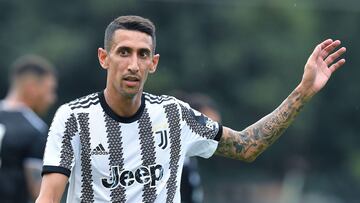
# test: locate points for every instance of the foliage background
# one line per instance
(247, 55)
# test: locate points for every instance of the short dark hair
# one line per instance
(31, 65)
(130, 22)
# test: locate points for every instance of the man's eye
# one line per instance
(144, 54)
(123, 52)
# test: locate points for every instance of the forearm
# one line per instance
(52, 188)
(249, 143)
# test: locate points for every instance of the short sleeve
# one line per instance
(59, 150)
(37, 146)
(201, 133)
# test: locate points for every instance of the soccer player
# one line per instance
(22, 133)
(125, 145)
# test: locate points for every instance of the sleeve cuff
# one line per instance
(219, 134)
(55, 169)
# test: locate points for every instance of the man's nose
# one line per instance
(134, 65)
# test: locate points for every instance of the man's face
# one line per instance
(43, 93)
(128, 62)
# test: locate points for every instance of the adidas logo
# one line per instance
(99, 150)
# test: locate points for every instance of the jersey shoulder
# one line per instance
(84, 102)
(162, 100)
(22, 117)
(157, 99)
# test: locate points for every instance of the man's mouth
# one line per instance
(131, 80)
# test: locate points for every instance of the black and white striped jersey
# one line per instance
(134, 159)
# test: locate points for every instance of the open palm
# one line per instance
(320, 65)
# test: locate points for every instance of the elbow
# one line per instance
(249, 159)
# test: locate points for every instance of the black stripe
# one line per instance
(82, 102)
(173, 116)
(116, 155)
(197, 127)
(84, 99)
(55, 169)
(156, 102)
(148, 156)
(85, 106)
(150, 96)
(155, 97)
(152, 99)
(219, 134)
(87, 192)
(67, 152)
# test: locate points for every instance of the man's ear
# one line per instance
(102, 56)
(155, 61)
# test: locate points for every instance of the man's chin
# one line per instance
(132, 93)
(128, 92)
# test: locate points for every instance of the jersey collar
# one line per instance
(117, 117)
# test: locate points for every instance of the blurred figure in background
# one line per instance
(22, 132)
(191, 188)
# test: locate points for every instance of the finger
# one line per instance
(328, 49)
(325, 43)
(315, 53)
(337, 65)
(319, 47)
(332, 57)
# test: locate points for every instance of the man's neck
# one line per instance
(14, 101)
(122, 105)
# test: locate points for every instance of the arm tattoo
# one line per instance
(249, 143)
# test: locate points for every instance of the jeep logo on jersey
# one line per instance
(142, 175)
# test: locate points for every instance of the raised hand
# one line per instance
(321, 64)
(250, 142)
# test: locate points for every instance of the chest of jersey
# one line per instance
(127, 155)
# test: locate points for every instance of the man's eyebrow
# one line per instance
(129, 49)
(123, 48)
(145, 50)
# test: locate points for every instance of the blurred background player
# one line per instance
(191, 188)
(22, 132)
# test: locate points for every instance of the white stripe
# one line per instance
(34, 120)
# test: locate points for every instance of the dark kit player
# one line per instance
(145, 138)
(22, 133)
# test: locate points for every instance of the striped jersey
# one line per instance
(109, 158)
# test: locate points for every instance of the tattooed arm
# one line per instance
(248, 144)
